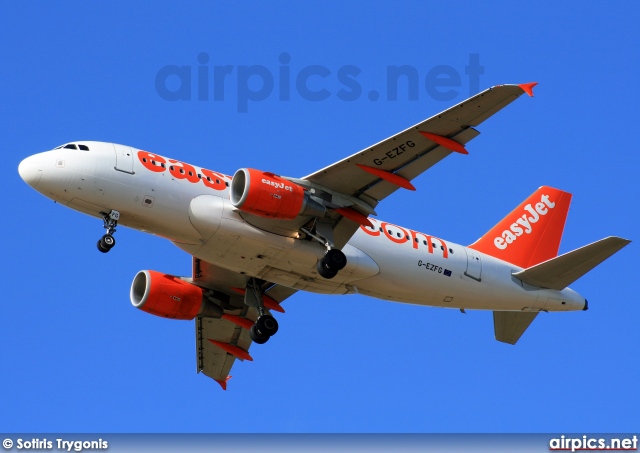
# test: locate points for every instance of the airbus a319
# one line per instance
(258, 237)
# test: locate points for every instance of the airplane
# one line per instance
(257, 237)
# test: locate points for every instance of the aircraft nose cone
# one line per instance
(30, 170)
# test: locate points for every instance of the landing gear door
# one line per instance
(474, 264)
(124, 158)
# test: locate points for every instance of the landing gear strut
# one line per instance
(110, 220)
(266, 325)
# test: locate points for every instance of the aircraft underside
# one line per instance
(257, 237)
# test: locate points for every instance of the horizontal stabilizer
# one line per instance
(510, 325)
(559, 272)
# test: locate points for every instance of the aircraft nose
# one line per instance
(30, 170)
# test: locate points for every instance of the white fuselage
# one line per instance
(194, 212)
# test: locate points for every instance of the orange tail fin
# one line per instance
(531, 233)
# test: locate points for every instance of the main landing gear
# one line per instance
(334, 260)
(110, 220)
(266, 325)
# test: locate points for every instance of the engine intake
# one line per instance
(267, 195)
(168, 296)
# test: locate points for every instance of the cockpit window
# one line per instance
(73, 146)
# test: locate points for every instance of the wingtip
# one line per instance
(223, 383)
(528, 87)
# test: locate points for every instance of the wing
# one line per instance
(367, 177)
(220, 341)
(416, 149)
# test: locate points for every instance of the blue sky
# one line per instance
(77, 357)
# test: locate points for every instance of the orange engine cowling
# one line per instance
(170, 297)
(267, 195)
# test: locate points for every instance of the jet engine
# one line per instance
(268, 195)
(168, 296)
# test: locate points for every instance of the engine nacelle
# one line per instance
(170, 297)
(267, 195)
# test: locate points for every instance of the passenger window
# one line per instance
(83, 147)
(71, 146)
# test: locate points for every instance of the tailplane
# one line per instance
(529, 237)
(532, 232)
(510, 325)
(559, 272)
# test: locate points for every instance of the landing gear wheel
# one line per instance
(108, 241)
(335, 260)
(266, 325)
(110, 220)
(256, 336)
(101, 248)
(324, 271)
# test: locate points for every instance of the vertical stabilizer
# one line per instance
(531, 233)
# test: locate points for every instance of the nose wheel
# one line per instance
(106, 243)
(110, 219)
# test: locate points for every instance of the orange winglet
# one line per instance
(231, 349)
(528, 87)
(451, 145)
(388, 176)
(238, 321)
(354, 215)
(222, 383)
(268, 302)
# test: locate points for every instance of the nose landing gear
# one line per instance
(110, 220)
(106, 243)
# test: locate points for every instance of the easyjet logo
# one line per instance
(524, 224)
(183, 171)
(277, 185)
